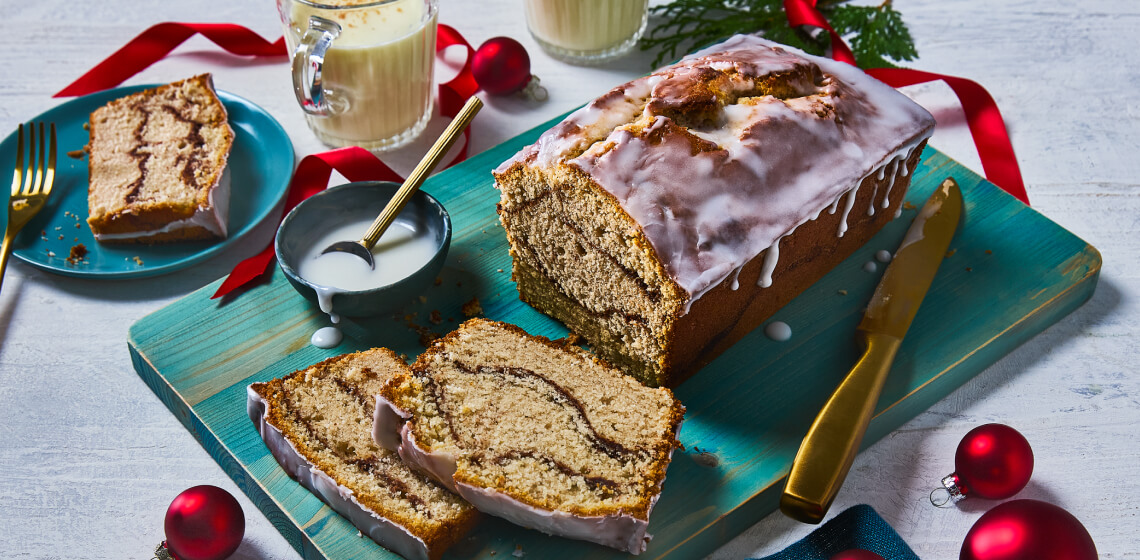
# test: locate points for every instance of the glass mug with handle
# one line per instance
(363, 70)
(586, 31)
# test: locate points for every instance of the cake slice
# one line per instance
(156, 165)
(317, 423)
(542, 434)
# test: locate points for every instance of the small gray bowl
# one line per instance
(362, 201)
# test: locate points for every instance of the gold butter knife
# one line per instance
(829, 447)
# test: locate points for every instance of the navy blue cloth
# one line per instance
(857, 527)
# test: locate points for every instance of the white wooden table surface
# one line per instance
(91, 458)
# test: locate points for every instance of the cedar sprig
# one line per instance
(877, 34)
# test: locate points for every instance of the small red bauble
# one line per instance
(856, 554)
(204, 523)
(501, 66)
(1028, 530)
(993, 461)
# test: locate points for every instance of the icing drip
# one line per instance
(895, 163)
(847, 210)
(736, 278)
(770, 257)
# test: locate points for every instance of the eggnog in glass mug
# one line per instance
(363, 69)
(586, 31)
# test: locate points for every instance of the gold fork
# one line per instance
(36, 182)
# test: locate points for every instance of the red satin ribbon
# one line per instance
(982, 115)
(152, 45)
(804, 12)
(984, 119)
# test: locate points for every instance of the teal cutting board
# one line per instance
(1011, 273)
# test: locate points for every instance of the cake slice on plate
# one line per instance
(539, 433)
(157, 165)
(317, 423)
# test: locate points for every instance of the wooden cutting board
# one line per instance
(1010, 274)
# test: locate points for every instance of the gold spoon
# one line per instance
(363, 247)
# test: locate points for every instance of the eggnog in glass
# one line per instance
(363, 70)
(586, 31)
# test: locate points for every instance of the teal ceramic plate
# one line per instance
(261, 164)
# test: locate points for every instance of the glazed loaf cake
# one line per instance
(542, 434)
(674, 214)
(157, 165)
(317, 423)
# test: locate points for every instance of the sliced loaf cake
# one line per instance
(157, 162)
(542, 434)
(317, 423)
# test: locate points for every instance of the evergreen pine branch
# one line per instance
(877, 34)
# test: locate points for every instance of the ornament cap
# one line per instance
(163, 553)
(534, 89)
(951, 492)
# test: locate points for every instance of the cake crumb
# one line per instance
(571, 339)
(78, 254)
(989, 252)
(50, 253)
(951, 252)
(500, 271)
(438, 280)
(908, 205)
(706, 459)
(435, 318)
(968, 269)
(472, 308)
(427, 336)
(842, 292)
(423, 299)
(77, 154)
(137, 260)
(518, 553)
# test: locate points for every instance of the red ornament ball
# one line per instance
(993, 461)
(856, 554)
(1028, 530)
(501, 66)
(204, 523)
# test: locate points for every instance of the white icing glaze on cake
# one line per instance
(711, 195)
(339, 498)
(391, 430)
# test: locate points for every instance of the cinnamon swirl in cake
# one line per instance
(157, 165)
(542, 434)
(317, 423)
(671, 216)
